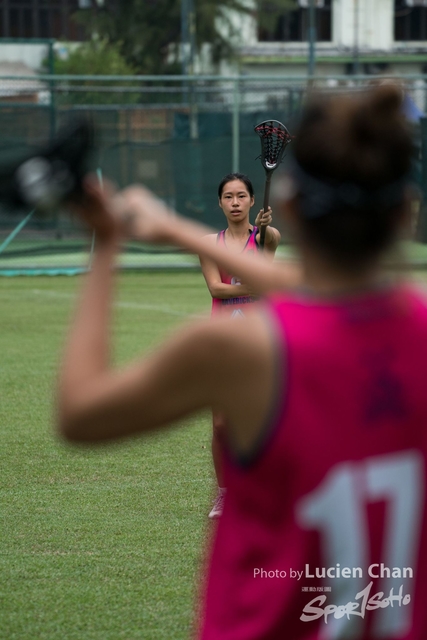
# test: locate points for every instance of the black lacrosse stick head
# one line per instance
(50, 175)
(274, 139)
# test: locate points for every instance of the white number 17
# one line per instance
(338, 510)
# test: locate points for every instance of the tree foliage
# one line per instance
(95, 57)
(149, 31)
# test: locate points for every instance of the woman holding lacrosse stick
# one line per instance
(323, 391)
(229, 295)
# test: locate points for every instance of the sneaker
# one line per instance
(218, 505)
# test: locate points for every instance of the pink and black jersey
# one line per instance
(234, 305)
(324, 533)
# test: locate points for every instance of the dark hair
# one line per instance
(235, 176)
(362, 142)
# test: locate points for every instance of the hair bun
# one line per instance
(361, 138)
(378, 128)
(387, 99)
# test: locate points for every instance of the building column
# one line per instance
(364, 23)
(343, 23)
(378, 24)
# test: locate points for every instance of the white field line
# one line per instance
(122, 305)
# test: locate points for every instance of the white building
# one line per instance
(369, 36)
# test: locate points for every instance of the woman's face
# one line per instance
(236, 201)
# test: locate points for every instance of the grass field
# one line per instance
(96, 544)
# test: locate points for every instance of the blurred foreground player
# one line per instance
(323, 533)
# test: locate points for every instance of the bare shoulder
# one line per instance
(244, 368)
(209, 267)
(233, 345)
(228, 364)
(241, 348)
(210, 240)
(211, 237)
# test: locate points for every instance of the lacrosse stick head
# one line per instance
(274, 138)
(50, 175)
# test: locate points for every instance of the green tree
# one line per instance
(149, 31)
(96, 57)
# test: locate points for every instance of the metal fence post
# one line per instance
(51, 59)
(236, 127)
(312, 36)
(194, 111)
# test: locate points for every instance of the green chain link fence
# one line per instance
(177, 135)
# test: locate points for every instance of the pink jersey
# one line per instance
(234, 305)
(324, 532)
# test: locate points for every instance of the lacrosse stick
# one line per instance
(274, 139)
